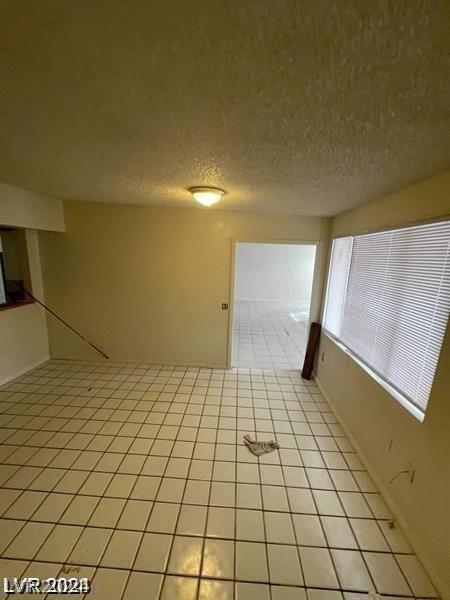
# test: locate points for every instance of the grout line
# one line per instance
(210, 393)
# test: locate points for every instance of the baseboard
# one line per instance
(427, 564)
(147, 362)
(4, 380)
(189, 365)
(274, 301)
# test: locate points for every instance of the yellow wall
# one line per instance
(23, 329)
(374, 418)
(21, 208)
(24, 342)
(147, 283)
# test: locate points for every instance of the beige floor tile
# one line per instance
(417, 578)
(218, 559)
(43, 571)
(179, 588)
(135, 515)
(394, 536)
(171, 490)
(9, 530)
(221, 522)
(308, 530)
(338, 532)
(121, 549)
(59, 543)
(177, 467)
(47, 480)
(80, 510)
(369, 535)
(154, 465)
(222, 494)
(327, 503)
(216, 590)
(28, 541)
(90, 546)
(108, 584)
(11, 569)
(281, 592)
(386, 574)
(378, 506)
(355, 505)
(145, 488)
(252, 591)
(52, 508)
(192, 520)
(96, 484)
(351, 570)
(185, 556)
(275, 498)
(143, 585)
(7, 498)
(317, 567)
(71, 482)
(196, 492)
(332, 595)
(301, 501)
(250, 525)
(251, 561)
(284, 565)
(25, 505)
(153, 553)
(23, 478)
(107, 512)
(248, 496)
(163, 518)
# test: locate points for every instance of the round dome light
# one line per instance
(207, 196)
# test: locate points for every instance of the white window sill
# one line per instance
(413, 410)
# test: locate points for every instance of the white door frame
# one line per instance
(316, 291)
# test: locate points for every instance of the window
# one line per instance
(14, 268)
(388, 300)
(2, 281)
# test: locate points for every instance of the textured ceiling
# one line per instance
(305, 107)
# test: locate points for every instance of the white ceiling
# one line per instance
(302, 107)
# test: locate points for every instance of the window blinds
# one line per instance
(388, 300)
(337, 284)
(2, 286)
(2, 289)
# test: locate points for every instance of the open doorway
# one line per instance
(271, 306)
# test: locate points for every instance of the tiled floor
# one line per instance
(269, 335)
(136, 477)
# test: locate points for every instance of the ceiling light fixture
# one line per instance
(207, 196)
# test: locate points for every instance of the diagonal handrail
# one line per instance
(52, 312)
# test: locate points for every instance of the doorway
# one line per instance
(273, 283)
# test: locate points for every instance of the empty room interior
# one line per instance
(224, 299)
(271, 304)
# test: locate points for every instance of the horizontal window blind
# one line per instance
(337, 283)
(2, 290)
(388, 301)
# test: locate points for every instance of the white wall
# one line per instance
(282, 272)
(23, 329)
